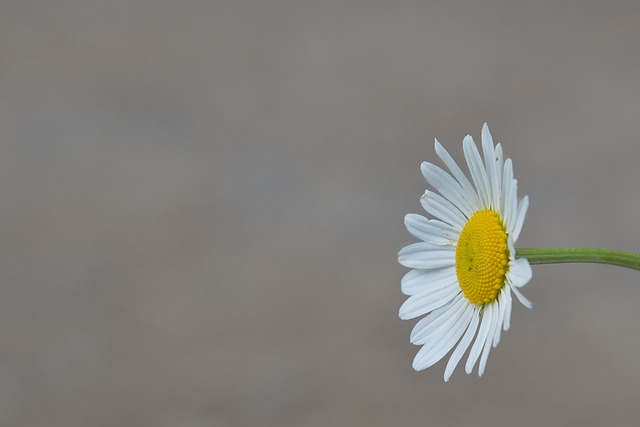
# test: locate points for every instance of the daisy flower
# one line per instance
(464, 270)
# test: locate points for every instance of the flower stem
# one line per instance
(590, 255)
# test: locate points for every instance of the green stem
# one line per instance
(591, 255)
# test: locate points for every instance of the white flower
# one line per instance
(465, 268)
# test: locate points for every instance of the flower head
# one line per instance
(465, 268)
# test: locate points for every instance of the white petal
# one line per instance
(499, 158)
(419, 280)
(507, 308)
(509, 196)
(462, 346)
(490, 161)
(485, 324)
(424, 302)
(447, 230)
(522, 211)
(425, 330)
(426, 256)
(440, 348)
(524, 301)
(502, 309)
(437, 317)
(443, 209)
(457, 173)
(477, 169)
(448, 187)
(420, 228)
(494, 312)
(519, 272)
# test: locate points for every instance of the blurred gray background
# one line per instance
(202, 202)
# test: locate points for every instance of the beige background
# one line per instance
(202, 202)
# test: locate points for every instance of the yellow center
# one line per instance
(482, 256)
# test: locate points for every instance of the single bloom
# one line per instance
(464, 270)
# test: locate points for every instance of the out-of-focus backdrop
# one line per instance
(201, 204)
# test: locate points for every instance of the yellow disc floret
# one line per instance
(482, 256)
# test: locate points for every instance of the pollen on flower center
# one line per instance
(482, 256)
